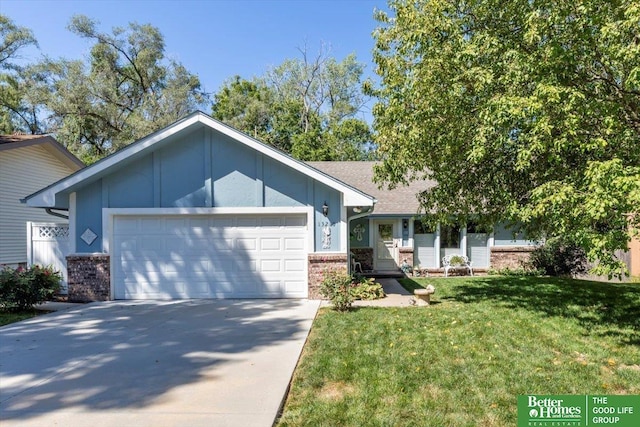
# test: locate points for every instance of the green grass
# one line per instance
(464, 360)
(7, 316)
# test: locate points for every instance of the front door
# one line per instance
(385, 257)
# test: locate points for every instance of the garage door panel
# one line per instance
(270, 244)
(248, 222)
(297, 265)
(247, 244)
(219, 256)
(270, 265)
(294, 244)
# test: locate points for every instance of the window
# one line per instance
(450, 236)
(420, 227)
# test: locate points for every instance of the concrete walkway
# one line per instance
(152, 363)
(397, 296)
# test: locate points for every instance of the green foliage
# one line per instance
(559, 257)
(125, 89)
(18, 113)
(21, 289)
(306, 107)
(500, 337)
(336, 286)
(367, 289)
(515, 272)
(457, 260)
(521, 111)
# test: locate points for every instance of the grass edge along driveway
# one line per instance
(464, 360)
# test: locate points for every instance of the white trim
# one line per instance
(29, 243)
(46, 197)
(73, 212)
(463, 240)
(108, 215)
(436, 245)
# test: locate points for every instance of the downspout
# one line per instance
(59, 215)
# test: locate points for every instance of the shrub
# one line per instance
(456, 260)
(367, 289)
(336, 286)
(526, 271)
(558, 257)
(21, 289)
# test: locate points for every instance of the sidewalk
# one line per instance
(397, 296)
(57, 306)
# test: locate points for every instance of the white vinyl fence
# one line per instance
(48, 244)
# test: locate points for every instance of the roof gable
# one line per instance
(47, 196)
(57, 150)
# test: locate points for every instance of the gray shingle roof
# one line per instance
(401, 200)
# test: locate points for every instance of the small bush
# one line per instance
(456, 260)
(558, 257)
(336, 286)
(21, 289)
(367, 289)
(516, 272)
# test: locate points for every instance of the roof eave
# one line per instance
(46, 197)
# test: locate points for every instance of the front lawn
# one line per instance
(464, 360)
(7, 317)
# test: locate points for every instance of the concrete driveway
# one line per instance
(153, 363)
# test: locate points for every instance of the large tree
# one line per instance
(307, 107)
(123, 91)
(526, 111)
(19, 104)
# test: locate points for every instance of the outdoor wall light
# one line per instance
(325, 209)
(405, 223)
(357, 209)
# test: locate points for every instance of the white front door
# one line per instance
(386, 248)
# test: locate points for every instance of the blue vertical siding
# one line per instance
(89, 209)
(362, 227)
(234, 173)
(282, 185)
(204, 168)
(324, 194)
(182, 179)
(131, 186)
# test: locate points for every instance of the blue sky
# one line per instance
(215, 39)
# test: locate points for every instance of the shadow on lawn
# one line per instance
(593, 304)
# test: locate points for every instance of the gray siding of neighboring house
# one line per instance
(204, 168)
(24, 170)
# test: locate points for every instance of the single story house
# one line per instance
(393, 232)
(201, 210)
(27, 163)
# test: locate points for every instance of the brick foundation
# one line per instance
(510, 256)
(364, 256)
(88, 277)
(406, 253)
(318, 264)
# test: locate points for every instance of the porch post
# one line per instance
(463, 240)
(436, 244)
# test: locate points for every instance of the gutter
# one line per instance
(59, 215)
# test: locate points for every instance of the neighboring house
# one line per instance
(27, 163)
(200, 210)
(394, 233)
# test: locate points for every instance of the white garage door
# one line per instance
(220, 256)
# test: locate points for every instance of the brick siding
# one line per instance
(88, 277)
(510, 256)
(364, 256)
(318, 264)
